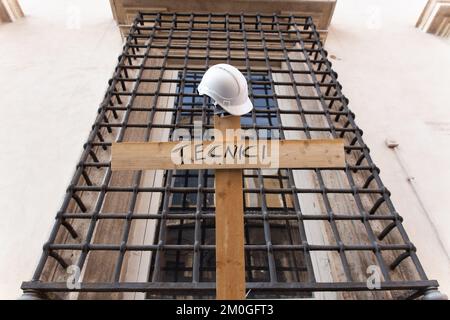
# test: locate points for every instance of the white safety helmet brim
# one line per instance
(240, 110)
(235, 110)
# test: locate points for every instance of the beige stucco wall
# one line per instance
(54, 67)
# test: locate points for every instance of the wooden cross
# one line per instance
(228, 156)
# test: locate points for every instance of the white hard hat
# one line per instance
(227, 86)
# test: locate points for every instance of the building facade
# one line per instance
(309, 233)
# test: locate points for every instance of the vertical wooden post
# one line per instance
(230, 265)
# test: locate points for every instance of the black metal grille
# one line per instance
(300, 224)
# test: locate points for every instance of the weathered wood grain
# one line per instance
(184, 155)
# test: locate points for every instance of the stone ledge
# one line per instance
(124, 11)
(10, 11)
(435, 18)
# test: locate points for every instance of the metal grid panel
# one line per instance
(285, 65)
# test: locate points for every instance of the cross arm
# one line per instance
(249, 154)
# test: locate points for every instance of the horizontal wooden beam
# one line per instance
(318, 153)
(10, 11)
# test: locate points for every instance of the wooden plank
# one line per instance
(317, 153)
(320, 10)
(315, 230)
(142, 231)
(230, 265)
(99, 266)
(327, 265)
